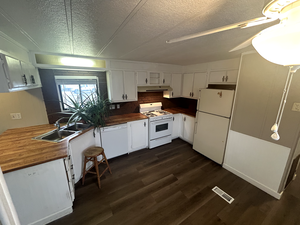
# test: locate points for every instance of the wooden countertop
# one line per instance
(18, 150)
(181, 110)
(119, 119)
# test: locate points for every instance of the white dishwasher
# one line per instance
(114, 140)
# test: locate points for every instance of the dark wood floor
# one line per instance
(172, 184)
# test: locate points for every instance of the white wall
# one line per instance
(29, 103)
(216, 65)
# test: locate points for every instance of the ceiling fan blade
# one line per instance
(244, 24)
(245, 44)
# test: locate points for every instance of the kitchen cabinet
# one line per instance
(166, 79)
(137, 135)
(16, 75)
(177, 126)
(188, 128)
(155, 78)
(176, 85)
(122, 86)
(223, 77)
(192, 83)
(142, 78)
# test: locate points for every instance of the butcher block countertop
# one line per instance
(181, 110)
(18, 150)
(119, 119)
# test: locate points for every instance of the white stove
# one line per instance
(160, 124)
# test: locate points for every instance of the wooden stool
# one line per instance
(91, 154)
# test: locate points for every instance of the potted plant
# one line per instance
(93, 110)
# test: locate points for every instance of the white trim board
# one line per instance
(259, 162)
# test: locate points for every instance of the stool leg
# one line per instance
(84, 170)
(104, 156)
(97, 170)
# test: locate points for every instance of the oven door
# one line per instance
(160, 128)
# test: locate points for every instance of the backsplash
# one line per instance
(149, 97)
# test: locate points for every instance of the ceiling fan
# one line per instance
(279, 44)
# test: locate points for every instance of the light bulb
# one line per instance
(274, 128)
(275, 136)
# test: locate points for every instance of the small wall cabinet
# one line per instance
(16, 75)
(192, 83)
(223, 77)
(122, 86)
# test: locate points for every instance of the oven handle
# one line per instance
(162, 121)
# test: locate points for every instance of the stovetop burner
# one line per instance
(155, 113)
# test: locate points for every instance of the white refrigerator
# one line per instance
(212, 122)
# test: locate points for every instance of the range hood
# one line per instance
(154, 88)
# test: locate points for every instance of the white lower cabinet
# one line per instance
(177, 126)
(40, 193)
(137, 135)
(188, 128)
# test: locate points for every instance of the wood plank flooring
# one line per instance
(172, 184)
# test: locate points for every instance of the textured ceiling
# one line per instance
(130, 30)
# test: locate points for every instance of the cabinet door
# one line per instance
(176, 84)
(199, 83)
(15, 72)
(34, 78)
(137, 135)
(188, 128)
(167, 78)
(142, 78)
(187, 87)
(116, 86)
(231, 76)
(177, 126)
(217, 77)
(130, 88)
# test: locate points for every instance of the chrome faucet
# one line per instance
(57, 122)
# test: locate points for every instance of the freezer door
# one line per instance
(216, 101)
(210, 136)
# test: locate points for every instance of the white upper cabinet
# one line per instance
(223, 77)
(122, 86)
(137, 135)
(192, 83)
(16, 75)
(142, 78)
(167, 79)
(176, 85)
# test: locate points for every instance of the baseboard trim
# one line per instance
(53, 217)
(254, 182)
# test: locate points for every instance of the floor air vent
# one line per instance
(223, 195)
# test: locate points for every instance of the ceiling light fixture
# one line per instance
(70, 61)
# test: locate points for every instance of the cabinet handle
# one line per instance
(144, 124)
(226, 78)
(192, 94)
(126, 96)
(163, 80)
(223, 79)
(146, 80)
(24, 79)
(123, 96)
(173, 118)
(172, 93)
(32, 80)
(184, 118)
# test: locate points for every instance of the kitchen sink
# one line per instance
(77, 127)
(56, 135)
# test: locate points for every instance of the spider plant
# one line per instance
(93, 110)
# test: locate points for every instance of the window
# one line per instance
(76, 88)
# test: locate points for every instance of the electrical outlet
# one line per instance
(118, 106)
(112, 106)
(15, 116)
(296, 107)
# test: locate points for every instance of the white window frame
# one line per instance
(59, 80)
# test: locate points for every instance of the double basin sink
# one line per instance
(63, 133)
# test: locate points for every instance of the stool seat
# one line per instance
(91, 154)
(93, 151)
